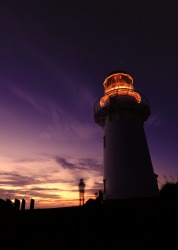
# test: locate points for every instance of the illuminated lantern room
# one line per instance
(120, 93)
(119, 84)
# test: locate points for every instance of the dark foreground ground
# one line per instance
(130, 224)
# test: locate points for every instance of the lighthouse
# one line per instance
(121, 112)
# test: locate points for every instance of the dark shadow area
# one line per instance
(95, 202)
(169, 190)
(147, 223)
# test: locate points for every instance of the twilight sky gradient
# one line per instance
(54, 57)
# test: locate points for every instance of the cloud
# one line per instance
(80, 164)
(24, 95)
(91, 164)
(14, 179)
(43, 189)
(64, 163)
(29, 193)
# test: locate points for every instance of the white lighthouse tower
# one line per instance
(121, 112)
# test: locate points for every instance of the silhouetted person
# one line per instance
(99, 199)
(95, 202)
(81, 187)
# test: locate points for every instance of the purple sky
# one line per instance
(54, 57)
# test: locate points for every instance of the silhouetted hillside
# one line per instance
(128, 224)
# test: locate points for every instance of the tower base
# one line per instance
(132, 203)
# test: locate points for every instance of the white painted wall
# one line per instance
(128, 168)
